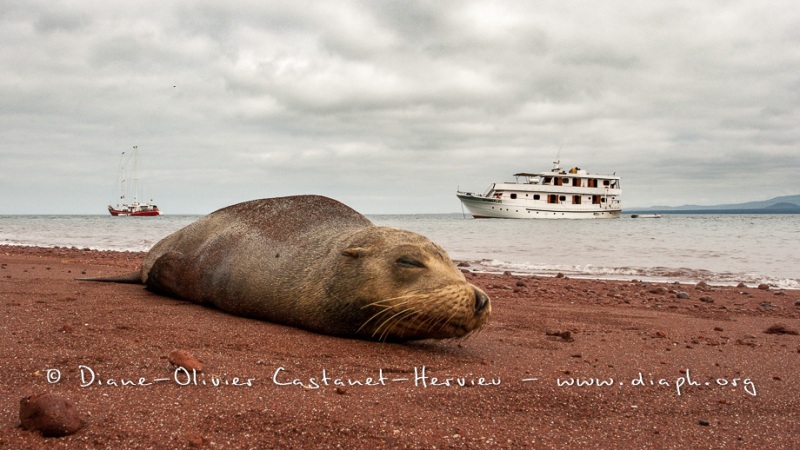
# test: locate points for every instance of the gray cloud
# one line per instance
(389, 106)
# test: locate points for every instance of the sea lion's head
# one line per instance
(405, 287)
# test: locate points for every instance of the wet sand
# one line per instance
(677, 366)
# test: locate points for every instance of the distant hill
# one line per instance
(788, 204)
(783, 205)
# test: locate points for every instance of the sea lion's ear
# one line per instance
(354, 252)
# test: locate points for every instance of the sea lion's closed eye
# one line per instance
(408, 262)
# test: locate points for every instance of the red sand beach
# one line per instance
(563, 363)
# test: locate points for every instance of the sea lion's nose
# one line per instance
(481, 301)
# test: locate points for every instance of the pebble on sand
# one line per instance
(50, 415)
(182, 358)
(779, 328)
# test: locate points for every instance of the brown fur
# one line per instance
(314, 263)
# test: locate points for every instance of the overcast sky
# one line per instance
(390, 106)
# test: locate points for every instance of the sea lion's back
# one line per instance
(291, 216)
(255, 227)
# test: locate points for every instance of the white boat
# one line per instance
(557, 194)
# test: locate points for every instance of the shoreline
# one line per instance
(684, 362)
(470, 267)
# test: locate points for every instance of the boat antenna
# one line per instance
(557, 162)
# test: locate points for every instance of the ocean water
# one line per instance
(719, 249)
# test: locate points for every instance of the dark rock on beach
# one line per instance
(781, 329)
(50, 415)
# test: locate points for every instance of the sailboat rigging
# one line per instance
(135, 208)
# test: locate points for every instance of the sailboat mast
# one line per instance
(121, 179)
(134, 208)
(135, 174)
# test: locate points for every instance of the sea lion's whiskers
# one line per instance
(407, 318)
(432, 316)
(389, 310)
(428, 318)
(395, 319)
(430, 312)
(389, 306)
(383, 324)
(449, 319)
(386, 300)
(443, 322)
(472, 334)
(429, 321)
(386, 309)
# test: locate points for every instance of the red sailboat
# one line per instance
(135, 208)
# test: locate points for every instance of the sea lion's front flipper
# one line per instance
(164, 275)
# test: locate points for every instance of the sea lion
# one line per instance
(314, 263)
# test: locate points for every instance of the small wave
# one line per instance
(662, 274)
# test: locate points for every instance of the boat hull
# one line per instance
(124, 212)
(490, 208)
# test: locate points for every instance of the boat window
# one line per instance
(552, 198)
(576, 199)
(606, 182)
(592, 182)
(547, 180)
(513, 196)
(536, 196)
(576, 181)
(563, 198)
